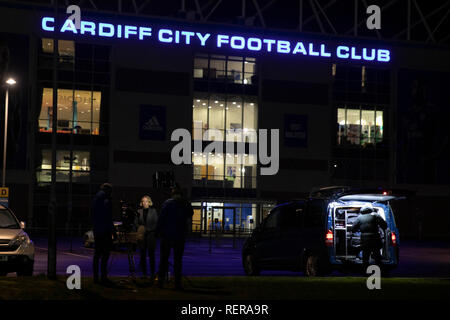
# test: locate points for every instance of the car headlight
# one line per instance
(19, 240)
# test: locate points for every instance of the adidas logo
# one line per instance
(152, 124)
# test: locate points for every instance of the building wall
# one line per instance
(132, 161)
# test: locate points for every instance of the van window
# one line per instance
(314, 216)
(291, 216)
(271, 221)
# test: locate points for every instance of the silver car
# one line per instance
(16, 247)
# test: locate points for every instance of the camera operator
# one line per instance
(104, 231)
(176, 214)
(146, 222)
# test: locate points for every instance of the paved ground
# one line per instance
(417, 259)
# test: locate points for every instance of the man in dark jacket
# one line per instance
(146, 219)
(371, 243)
(173, 226)
(104, 231)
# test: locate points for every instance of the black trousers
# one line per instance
(147, 247)
(103, 245)
(178, 249)
(371, 246)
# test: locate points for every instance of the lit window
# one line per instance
(234, 116)
(77, 109)
(359, 127)
(66, 48)
(231, 69)
(80, 166)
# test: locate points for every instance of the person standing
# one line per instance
(146, 221)
(172, 227)
(104, 232)
(371, 243)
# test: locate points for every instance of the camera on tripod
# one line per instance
(128, 215)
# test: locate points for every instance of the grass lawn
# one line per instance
(229, 288)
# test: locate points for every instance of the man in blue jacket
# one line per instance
(104, 231)
(172, 227)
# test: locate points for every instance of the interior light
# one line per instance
(216, 101)
(238, 106)
(234, 102)
(198, 100)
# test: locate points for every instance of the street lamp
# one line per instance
(10, 82)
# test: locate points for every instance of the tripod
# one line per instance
(125, 235)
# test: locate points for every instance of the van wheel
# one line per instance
(250, 267)
(312, 266)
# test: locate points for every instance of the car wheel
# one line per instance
(312, 266)
(250, 267)
(26, 270)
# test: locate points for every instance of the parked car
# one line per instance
(311, 236)
(16, 247)
(123, 238)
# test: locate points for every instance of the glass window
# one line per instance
(216, 116)
(200, 67)
(353, 125)
(234, 119)
(232, 69)
(80, 166)
(272, 219)
(291, 216)
(314, 215)
(359, 127)
(367, 127)
(200, 170)
(77, 109)
(200, 117)
(217, 69)
(65, 47)
(233, 171)
(250, 115)
(379, 126)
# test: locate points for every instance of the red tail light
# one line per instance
(393, 238)
(329, 238)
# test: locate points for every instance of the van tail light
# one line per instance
(329, 238)
(393, 239)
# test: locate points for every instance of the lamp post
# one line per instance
(9, 82)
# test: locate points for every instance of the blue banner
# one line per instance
(295, 130)
(152, 122)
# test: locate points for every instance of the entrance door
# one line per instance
(221, 220)
(197, 225)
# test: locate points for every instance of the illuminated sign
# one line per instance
(218, 40)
